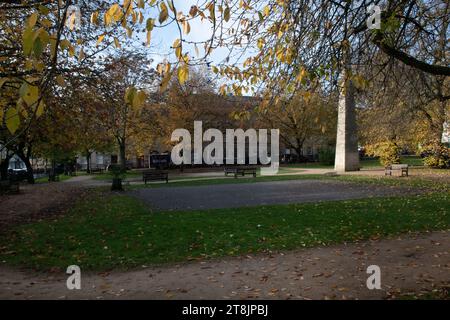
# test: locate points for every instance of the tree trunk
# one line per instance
(30, 175)
(27, 161)
(4, 168)
(123, 160)
(88, 161)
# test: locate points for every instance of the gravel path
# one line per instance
(261, 193)
(417, 263)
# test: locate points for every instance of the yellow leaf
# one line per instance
(29, 93)
(100, 39)
(31, 22)
(260, 43)
(212, 9)
(129, 95)
(226, 14)
(159, 68)
(170, 3)
(150, 24)
(186, 27)
(139, 99)
(307, 96)
(113, 13)
(165, 81)
(176, 43)
(72, 20)
(116, 42)
(164, 14)
(280, 54)
(40, 108)
(183, 74)
(149, 37)
(12, 120)
(129, 32)
(60, 81)
(167, 67)
(28, 40)
(94, 18)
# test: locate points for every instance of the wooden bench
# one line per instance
(9, 186)
(151, 175)
(402, 168)
(96, 170)
(242, 171)
(53, 177)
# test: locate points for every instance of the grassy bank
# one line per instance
(117, 231)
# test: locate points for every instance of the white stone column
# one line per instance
(347, 157)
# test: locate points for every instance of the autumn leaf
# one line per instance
(100, 39)
(186, 27)
(60, 81)
(29, 93)
(183, 74)
(163, 14)
(31, 22)
(12, 120)
(165, 81)
(193, 11)
(226, 14)
(40, 108)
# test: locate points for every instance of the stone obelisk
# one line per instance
(347, 157)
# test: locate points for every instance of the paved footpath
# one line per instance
(261, 193)
(415, 263)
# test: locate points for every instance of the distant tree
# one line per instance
(304, 116)
(123, 90)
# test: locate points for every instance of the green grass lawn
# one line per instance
(109, 230)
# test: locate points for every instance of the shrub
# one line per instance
(326, 156)
(387, 151)
(437, 156)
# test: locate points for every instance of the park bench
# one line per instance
(9, 186)
(53, 177)
(150, 175)
(241, 171)
(96, 170)
(401, 168)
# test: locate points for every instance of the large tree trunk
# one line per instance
(4, 167)
(26, 159)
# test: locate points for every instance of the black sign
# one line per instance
(160, 161)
